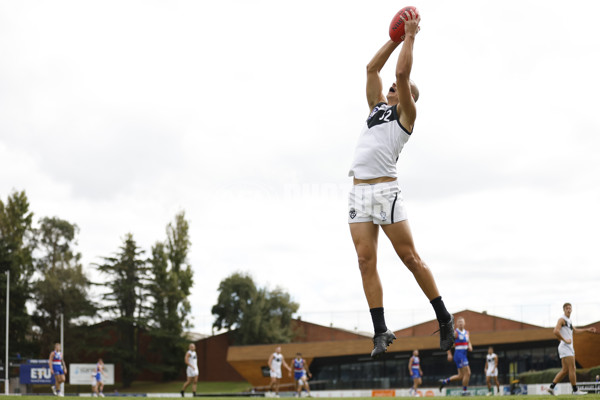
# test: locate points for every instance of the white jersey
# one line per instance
(192, 359)
(491, 365)
(566, 331)
(379, 144)
(276, 361)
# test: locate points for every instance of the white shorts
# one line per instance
(276, 374)
(565, 350)
(191, 372)
(380, 203)
(491, 372)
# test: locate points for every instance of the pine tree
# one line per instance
(169, 290)
(127, 283)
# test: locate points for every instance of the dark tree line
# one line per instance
(140, 292)
(254, 315)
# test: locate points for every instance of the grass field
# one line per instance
(530, 397)
(154, 387)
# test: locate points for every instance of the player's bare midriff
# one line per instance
(374, 180)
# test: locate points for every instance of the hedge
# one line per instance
(546, 376)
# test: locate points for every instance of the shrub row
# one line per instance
(546, 376)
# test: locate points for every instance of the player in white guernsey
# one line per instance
(375, 199)
(276, 360)
(191, 361)
(491, 370)
(564, 332)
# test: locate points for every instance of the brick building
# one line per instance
(340, 359)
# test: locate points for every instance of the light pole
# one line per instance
(7, 302)
(62, 325)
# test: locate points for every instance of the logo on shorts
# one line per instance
(383, 215)
(352, 213)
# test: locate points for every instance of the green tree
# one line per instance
(169, 290)
(255, 315)
(63, 287)
(16, 248)
(127, 288)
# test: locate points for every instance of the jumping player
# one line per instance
(276, 360)
(414, 369)
(491, 370)
(58, 368)
(375, 199)
(98, 386)
(191, 361)
(564, 332)
(461, 346)
(300, 375)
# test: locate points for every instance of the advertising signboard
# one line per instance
(83, 374)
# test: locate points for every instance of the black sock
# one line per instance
(552, 385)
(441, 313)
(574, 388)
(378, 320)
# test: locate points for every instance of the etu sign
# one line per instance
(35, 374)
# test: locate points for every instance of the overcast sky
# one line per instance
(116, 115)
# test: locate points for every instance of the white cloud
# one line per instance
(245, 115)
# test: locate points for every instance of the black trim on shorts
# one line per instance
(394, 205)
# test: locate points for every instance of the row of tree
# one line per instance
(254, 315)
(139, 291)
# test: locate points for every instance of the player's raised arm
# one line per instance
(407, 109)
(581, 330)
(374, 83)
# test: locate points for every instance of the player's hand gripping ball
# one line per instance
(397, 25)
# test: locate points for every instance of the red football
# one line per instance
(397, 25)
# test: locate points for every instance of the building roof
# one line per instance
(475, 322)
(309, 332)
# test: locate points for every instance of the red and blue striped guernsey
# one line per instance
(462, 340)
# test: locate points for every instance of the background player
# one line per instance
(276, 360)
(462, 344)
(375, 197)
(491, 370)
(301, 375)
(191, 360)
(414, 369)
(58, 368)
(98, 386)
(564, 332)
